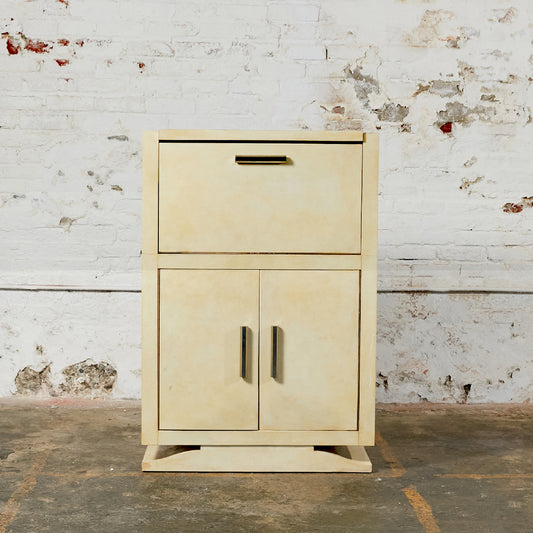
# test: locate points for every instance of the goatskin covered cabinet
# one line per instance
(259, 300)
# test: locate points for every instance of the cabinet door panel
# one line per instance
(317, 315)
(200, 359)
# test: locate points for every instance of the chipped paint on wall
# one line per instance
(463, 348)
(56, 343)
(447, 84)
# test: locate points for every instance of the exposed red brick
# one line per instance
(64, 2)
(80, 42)
(39, 47)
(527, 201)
(62, 62)
(12, 47)
(446, 128)
(512, 208)
(63, 42)
(141, 65)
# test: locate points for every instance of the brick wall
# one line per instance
(446, 83)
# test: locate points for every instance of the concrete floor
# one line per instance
(75, 466)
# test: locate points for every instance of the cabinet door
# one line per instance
(201, 314)
(317, 315)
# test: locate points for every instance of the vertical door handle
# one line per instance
(275, 345)
(244, 330)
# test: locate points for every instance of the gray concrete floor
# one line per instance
(75, 466)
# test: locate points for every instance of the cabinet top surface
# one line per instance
(251, 135)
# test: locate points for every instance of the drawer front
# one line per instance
(208, 202)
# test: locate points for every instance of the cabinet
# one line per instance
(259, 288)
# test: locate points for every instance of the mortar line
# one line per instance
(451, 291)
(65, 289)
(22, 491)
(381, 291)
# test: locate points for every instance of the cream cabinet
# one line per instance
(259, 300)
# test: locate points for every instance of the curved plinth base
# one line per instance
(256, 459)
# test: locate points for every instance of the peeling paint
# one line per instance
(392, 112)
(12, 47)
(383, 381)
(443, 88)
(428, 31)
(448, 355)
(88, 378)
(29, 381)
(458, 113)
(67, 222)
(509, 15)
(39, 47)
(416, 309)
(466, 71)
(362, 83)
(276, 74)
(467, 183)
(526, 202)
(466, 388)
(511, 372)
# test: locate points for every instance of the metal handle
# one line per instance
(275, 342)
(261, 159)
(244, 330)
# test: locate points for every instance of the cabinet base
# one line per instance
(256, 459)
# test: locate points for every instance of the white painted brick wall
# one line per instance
(71, 118)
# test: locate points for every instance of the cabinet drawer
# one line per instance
(208, 202)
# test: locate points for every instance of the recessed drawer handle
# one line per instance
(261, 159)
(244, 330)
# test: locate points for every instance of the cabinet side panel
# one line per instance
(367, 361)
(150, 167)
(149, 331)
(149, 342)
